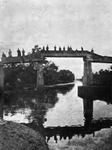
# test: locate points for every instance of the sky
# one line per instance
(86, 23)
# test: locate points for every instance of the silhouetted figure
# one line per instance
(64, 48)
(59, 48)
(10, 53)
(47, 47)
(36, 48)
(43, 48)
(68, 48)
(92, 51)
(23, 52)
(33, 50)
(82, 49)
(55, 48)
(3, 55)
(19, 52)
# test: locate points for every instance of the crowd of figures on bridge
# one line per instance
(44, 49)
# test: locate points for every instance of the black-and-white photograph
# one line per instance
(55, 75)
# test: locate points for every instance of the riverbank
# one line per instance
(16, 136)
(39, 91)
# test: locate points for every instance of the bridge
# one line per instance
(39, 56)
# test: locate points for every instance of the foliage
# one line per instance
(25, 75)
(65, 76)
(17, 76)
(103, 77)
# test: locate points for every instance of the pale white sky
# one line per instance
(25, 23)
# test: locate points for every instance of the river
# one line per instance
(59, 114)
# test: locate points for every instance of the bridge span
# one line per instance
(39, 56)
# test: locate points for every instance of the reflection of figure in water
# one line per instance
(10, 53)
(70, 136)
(61, 137)
(55, 138)
(19, 52)
(48, 138)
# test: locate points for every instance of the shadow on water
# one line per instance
(23, 99)
(36, 102)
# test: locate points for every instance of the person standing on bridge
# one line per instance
(33, 50)
(92, 51)
(64, 48)
(3, 55)
(59, 48)
(23, 52)
(10, 53)
(43, 49)
(82, 49)
(47, 47)
(19, 52)
(55, 48)
(68, 48)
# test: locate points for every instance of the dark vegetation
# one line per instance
(103, 77)
(25, 75)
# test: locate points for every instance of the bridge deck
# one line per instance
(41, 55)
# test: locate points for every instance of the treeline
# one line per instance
(25, 75)
(103, 77)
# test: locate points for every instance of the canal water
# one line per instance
(59, 115)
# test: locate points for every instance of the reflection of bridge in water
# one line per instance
(68, 132)
(39, 56)
(59, 132)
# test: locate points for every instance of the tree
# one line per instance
(103, 77)
(65, 76)
(25, 75)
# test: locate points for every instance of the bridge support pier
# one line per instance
(87, 81)
(88, 77)
(40, 79)
(88, 109)
(1, 76)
